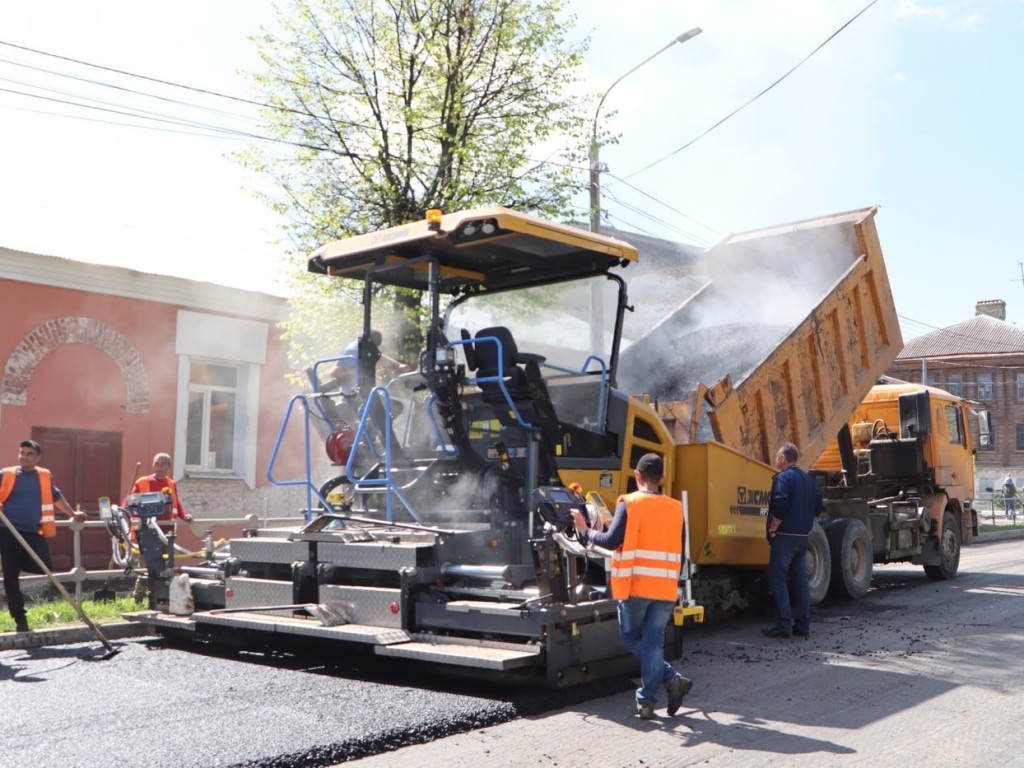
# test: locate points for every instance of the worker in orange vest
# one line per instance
(646, 535)
(28, 498)
(161, 480)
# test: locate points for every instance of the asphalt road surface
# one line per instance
(917, 672)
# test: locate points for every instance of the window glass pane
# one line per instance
(222, 430)
(955, 385)
(1020, 437)
(213, 375)
(984, 386)
(1020, 386)
(194, 435)
(953, 424)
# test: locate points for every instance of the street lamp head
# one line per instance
(689, 35)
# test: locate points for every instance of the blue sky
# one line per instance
(916, 107)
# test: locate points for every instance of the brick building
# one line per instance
(107, 366)
(981, 359)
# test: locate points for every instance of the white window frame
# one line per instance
(227, 341)
(207, 464)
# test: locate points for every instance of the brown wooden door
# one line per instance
(86, 464)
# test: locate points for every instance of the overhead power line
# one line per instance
(739, 109)
(145, 77)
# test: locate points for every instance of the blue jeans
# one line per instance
(789, 562)
(642, 623)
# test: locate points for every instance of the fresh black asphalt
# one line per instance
(155, 704)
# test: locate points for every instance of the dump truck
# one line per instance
(437, 528)
(899, 483)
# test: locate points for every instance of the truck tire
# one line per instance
(849, 544)
(949, 550)
(819, 564)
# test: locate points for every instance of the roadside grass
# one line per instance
(49, 614)
(985, 525)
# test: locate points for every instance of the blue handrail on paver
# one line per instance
(391, 489)
(311, 490)
(499, 379)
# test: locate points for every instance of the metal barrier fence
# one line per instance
(991, 507)
(78, 575)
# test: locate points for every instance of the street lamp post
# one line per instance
(595, 147)
(596, 297)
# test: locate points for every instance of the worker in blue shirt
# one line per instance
(794, 503)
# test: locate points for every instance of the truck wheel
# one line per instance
(819, 564)
(849, 544)
(949, 551)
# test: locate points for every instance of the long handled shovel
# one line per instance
(111, 650)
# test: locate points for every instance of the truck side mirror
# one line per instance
(984, 428)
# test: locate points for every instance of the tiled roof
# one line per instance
(981, 335)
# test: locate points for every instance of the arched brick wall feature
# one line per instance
(45, 338)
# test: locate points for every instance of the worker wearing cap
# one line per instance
(161, 480)
(27, 499)
(646, 535)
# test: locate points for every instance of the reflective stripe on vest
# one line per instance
(47, 522)
(650, 558)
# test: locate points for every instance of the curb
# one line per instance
(10, 641)
(1016, 533)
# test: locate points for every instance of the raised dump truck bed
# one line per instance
(794, 328)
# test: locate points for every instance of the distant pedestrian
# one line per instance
(1009, 497)
(646, 535)
(27, 499)
(794, 502)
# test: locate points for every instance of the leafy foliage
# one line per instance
(391, 107)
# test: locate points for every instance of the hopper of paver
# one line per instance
(793, 329)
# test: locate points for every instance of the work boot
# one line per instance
(644, 710)
(677, 688)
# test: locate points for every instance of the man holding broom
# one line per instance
(27, 499)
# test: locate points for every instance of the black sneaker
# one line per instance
(22, 626)
(776, 632)
(677, 688)
(804, 633)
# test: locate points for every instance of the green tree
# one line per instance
(391, 107)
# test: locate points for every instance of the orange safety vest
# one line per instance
(143, 484)
(47, 522)
(651, 556)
